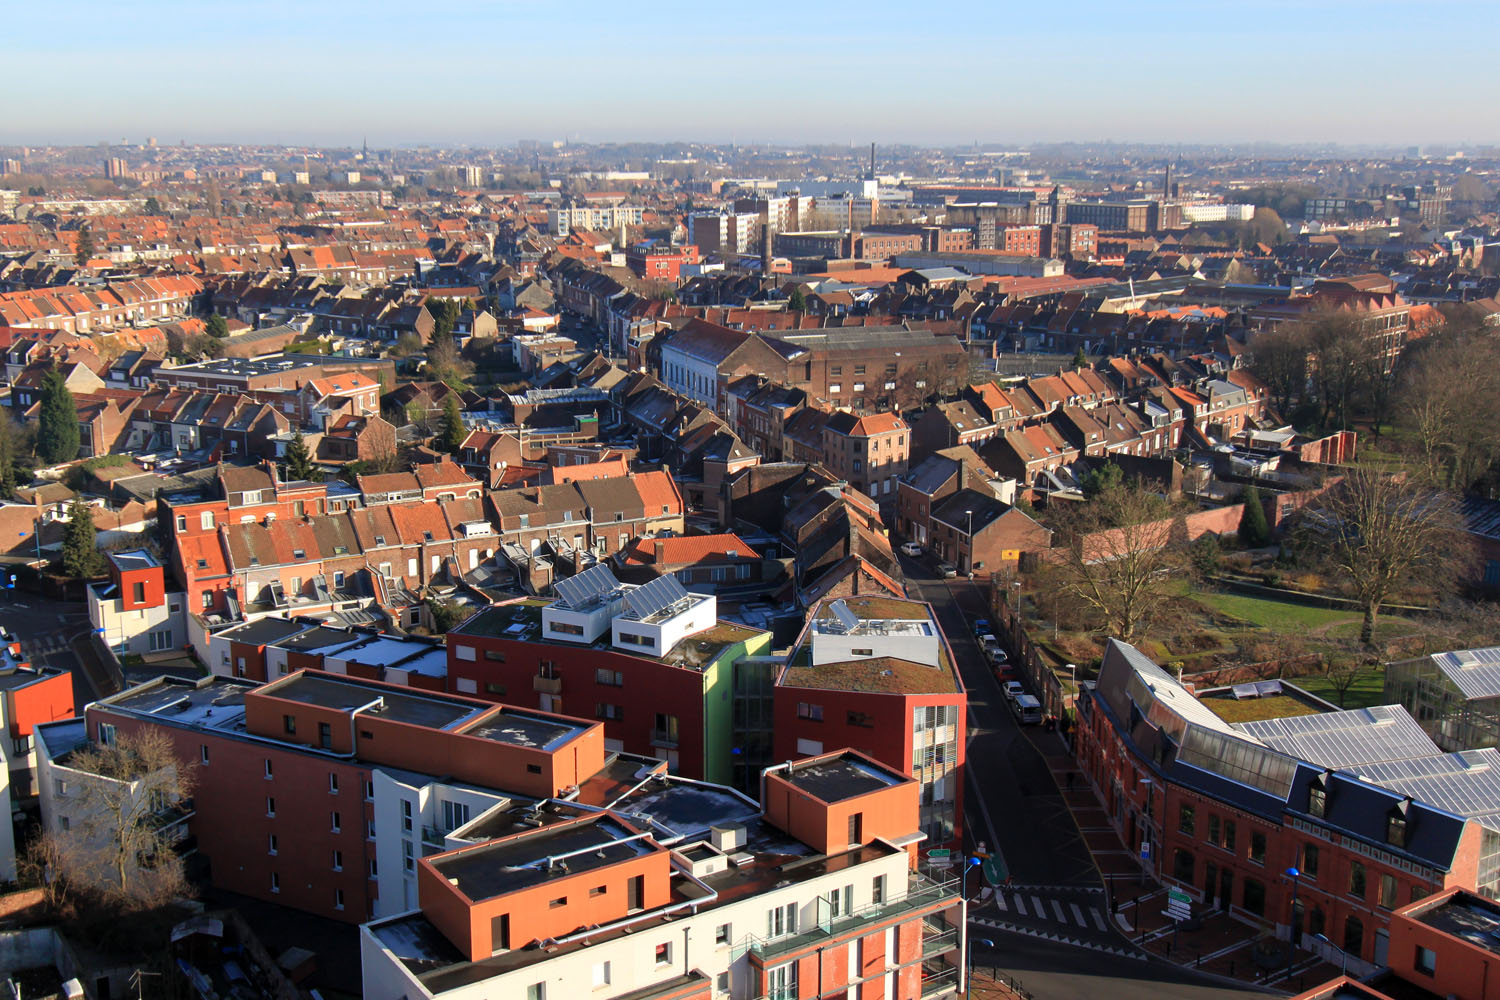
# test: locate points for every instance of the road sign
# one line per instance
(994, 871)
(1179, 905)
(1146, 849)
(939, 852)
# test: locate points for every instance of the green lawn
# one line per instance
(1366, 690)
(1278, 616)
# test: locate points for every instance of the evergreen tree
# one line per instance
(797, 302)
(451, 437)
(1080, 360)
(7, 457)
(80, 555)
(57, 425)
(1254, 531)
(216, 327)
(84, 252)
(445, 313)
(153, 207)
(299, 464)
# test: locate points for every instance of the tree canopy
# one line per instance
(80, 550)
(57, 435)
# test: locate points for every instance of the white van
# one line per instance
(1028, 709)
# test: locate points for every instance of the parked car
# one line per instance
(997, 655)
(1012, 690)
(1028, 709)
(911, 549)
(947, 571)
(1004, 672)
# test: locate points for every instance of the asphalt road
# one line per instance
(45, 629)
(1052, 928)
(1050, 971)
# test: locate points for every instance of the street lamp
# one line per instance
(1344, 970)
(969, 540)
(969, 865)
(969, 959)
(1292, 925)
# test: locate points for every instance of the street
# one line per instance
(46, 629)
(1052, 927)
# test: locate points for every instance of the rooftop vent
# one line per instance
(727, 837)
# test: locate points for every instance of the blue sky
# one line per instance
(463, 71)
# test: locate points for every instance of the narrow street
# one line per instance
(1052, 928)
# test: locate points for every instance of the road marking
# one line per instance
(1098, 918)
(1057, 908)
(1000, 903)
(1077, 914)
(1020, 905)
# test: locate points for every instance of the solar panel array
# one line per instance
(1345, 739)
(578, 591)
(658, 595)
(1465, 783)
(1475, 672)
(848, 620)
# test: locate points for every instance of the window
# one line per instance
(1310, 861)
(664, 953)
(1254, 895)
(275, 882)
(206, 520)
(338, 861)
(270, 806)
(813, 713)
(374, 869)
(203, 753)
(604, 710)
(558, 903)
(862, 652)
(1258, 848)
(601, 974)
(181, 522)
(665, 728)
(1354, 937)
(408, 856)
(612, 678)
(533, 769)
(537, 991)
(494, 656)
(1185, 820)
(271, 845)
(208, 598)
(1395, 828)
(138, 592)
(106, 734)
(338, 899)
(1183, 865)
(1317, 799)
(269, 773)
(598, 890)
(841, 901)
(333, 821)
(877, 889)
(289, 725)
(1357, 879)
(1229, 835)
(369, 791)
(1388, 891)
(455, 815)
(721, 935)
(862, 719)
(781, 921)
(406, 815)
(781, 982)
(1425, 961)
(333, 784)
(1215, 833)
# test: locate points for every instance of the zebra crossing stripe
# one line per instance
(1057, 908)
(1098, 918)
(1000, 903)
(1036, 901)
(1077, 915)
(1020, 905)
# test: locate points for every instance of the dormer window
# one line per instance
(1317, 799)
(1395, 824)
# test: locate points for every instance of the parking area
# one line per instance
(47, 630)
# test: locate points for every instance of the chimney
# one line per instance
(661, 553)
(872, 161)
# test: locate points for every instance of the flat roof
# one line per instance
(346, 695)
(506, 621)
(320, 637)
(134, 559)
(686, 808)
(214, 703)
(834, 779)
(523, 729)
(264, 631)
(1346, 739)
(505, 866)
(1467, 916)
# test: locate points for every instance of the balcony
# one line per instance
(921, 894)
(939, 978)
(546, 685)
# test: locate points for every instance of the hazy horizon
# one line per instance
(1372, 74)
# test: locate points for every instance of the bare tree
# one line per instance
(117, 842)
(1280, 358)
(1341, 352)
(1342, 672)
(1387, 533)
(1449, 397)
(1118, 557)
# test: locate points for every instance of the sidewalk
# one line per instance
(1218, 946)
(984, 986)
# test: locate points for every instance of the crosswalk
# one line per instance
(43, 646)
(1085, 910)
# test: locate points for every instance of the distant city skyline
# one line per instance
(1378, 73)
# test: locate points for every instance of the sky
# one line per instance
(467, 72)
